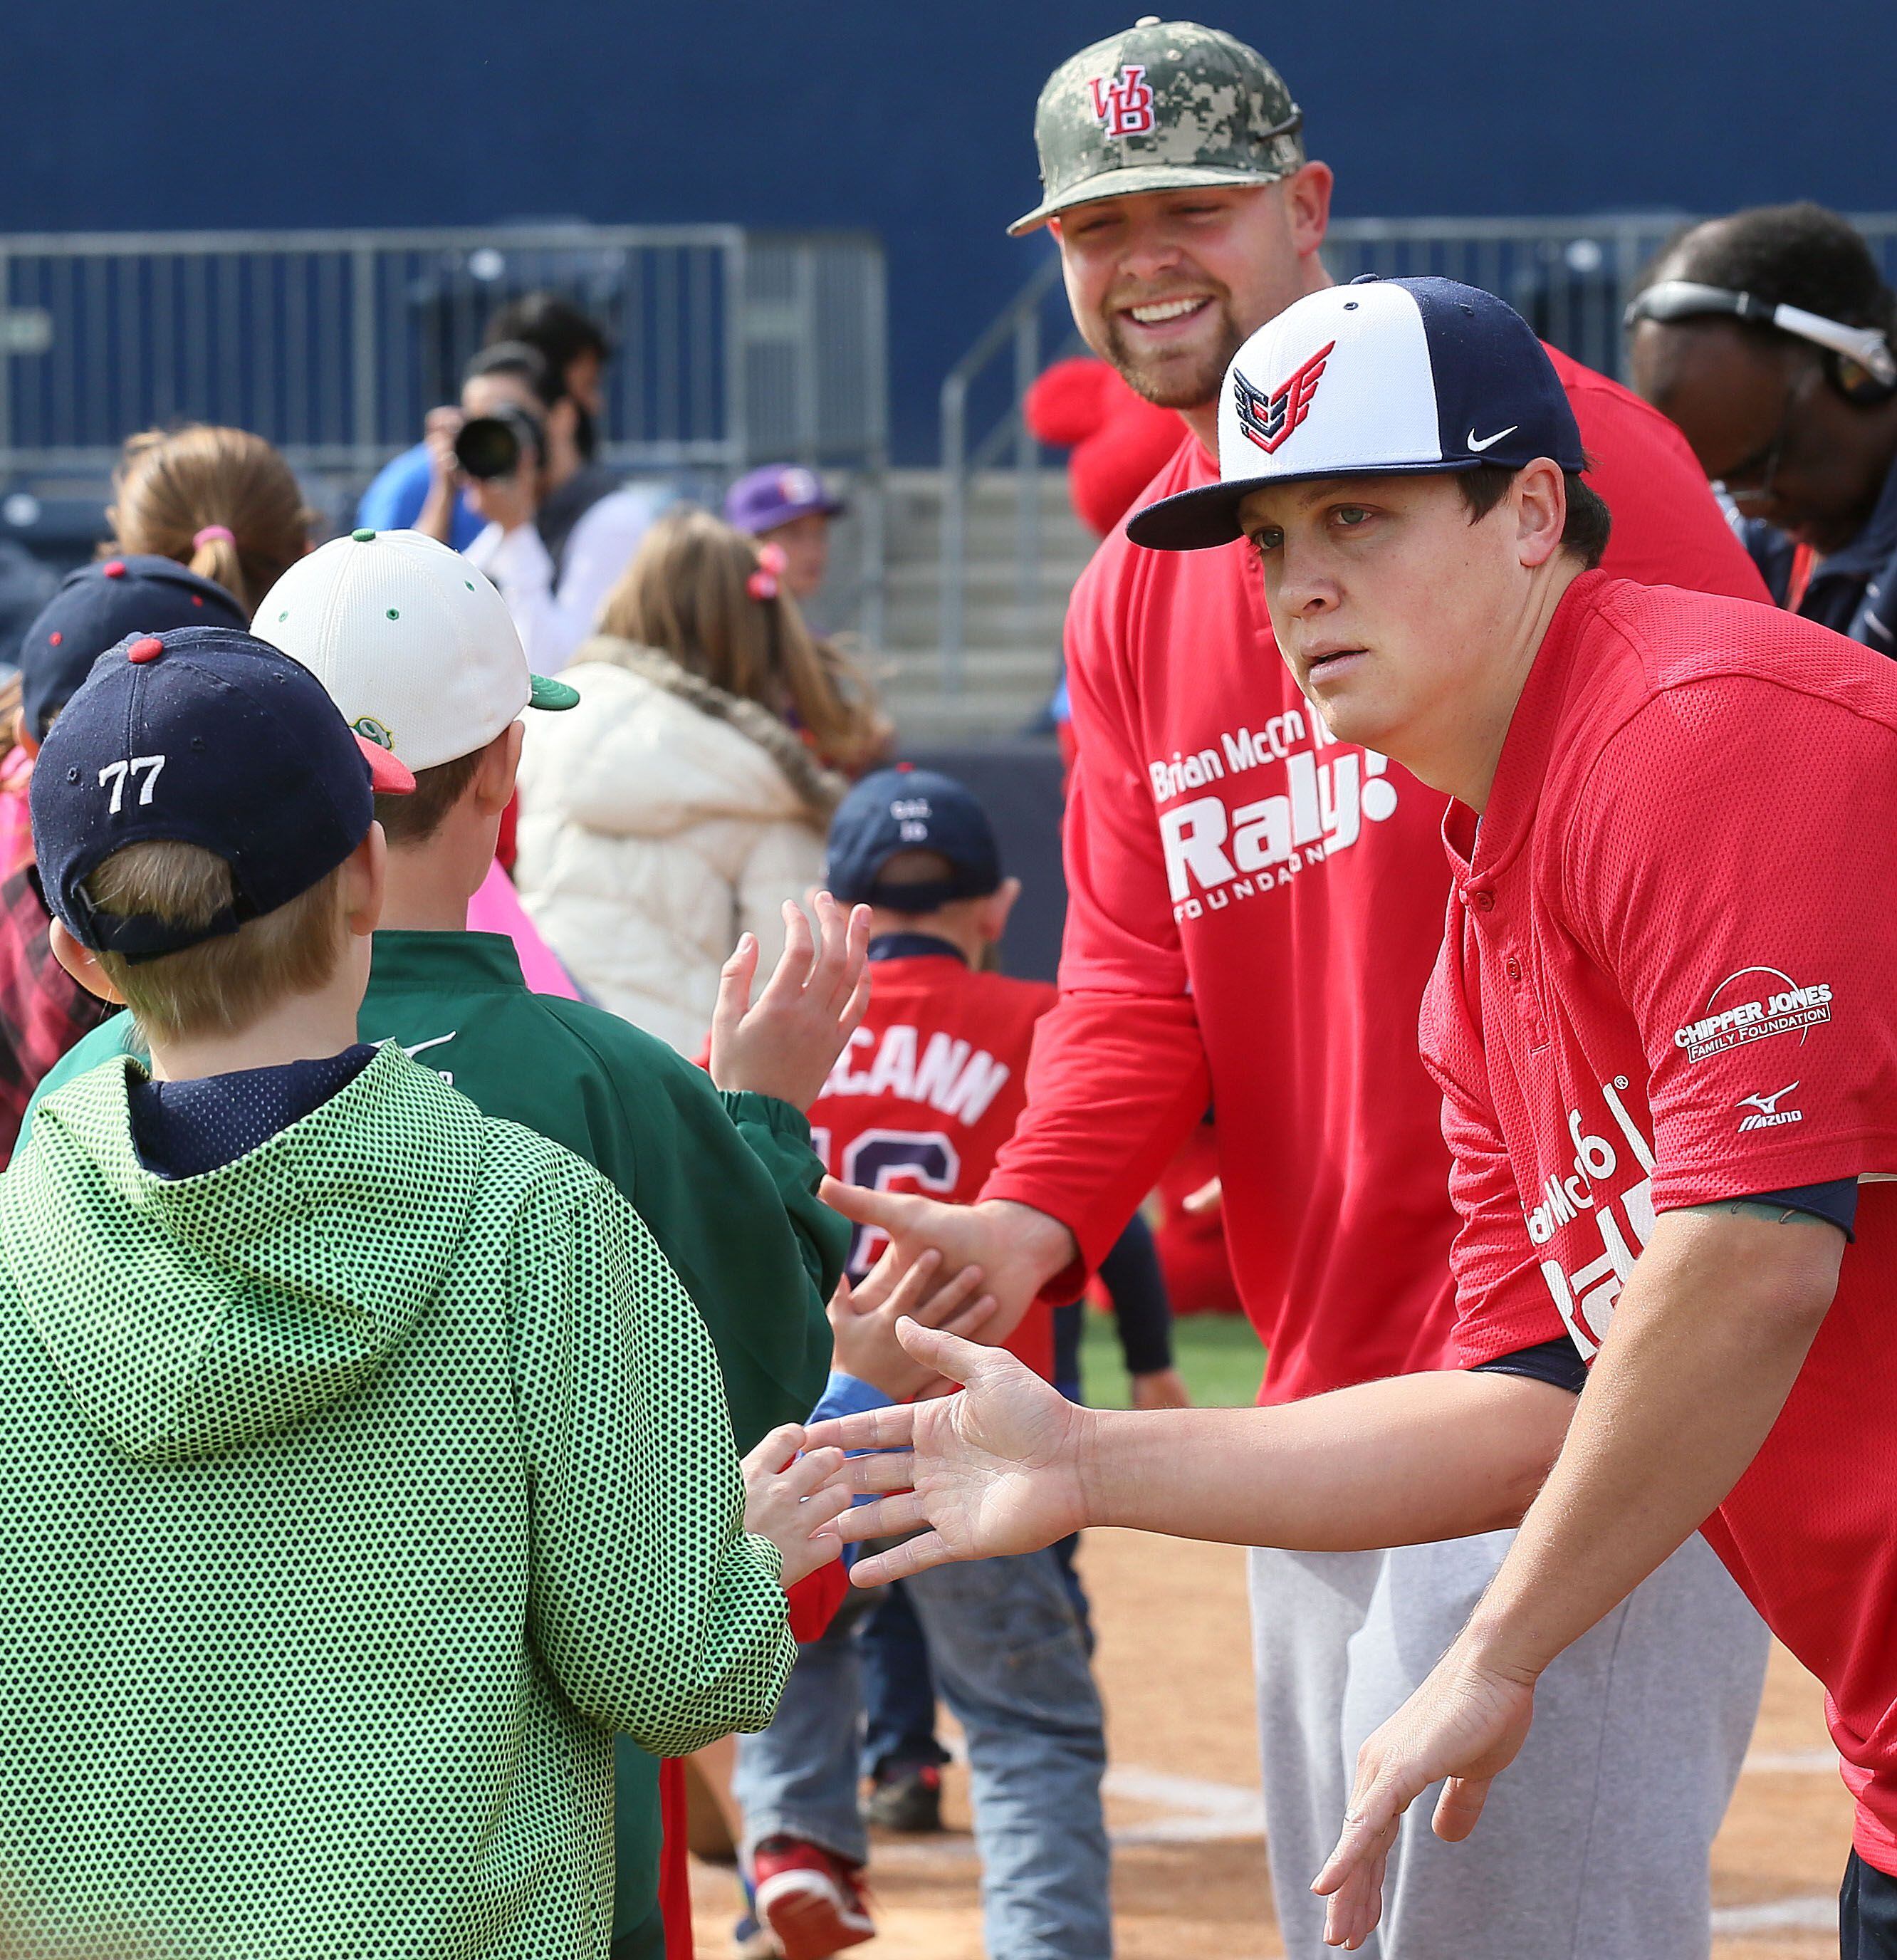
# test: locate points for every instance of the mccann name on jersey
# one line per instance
(953, 1077)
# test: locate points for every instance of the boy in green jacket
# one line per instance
(418, 651)
(365, 1466)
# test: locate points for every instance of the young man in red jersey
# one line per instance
(924, 1096)
(1276, 976)
(1664, 1031)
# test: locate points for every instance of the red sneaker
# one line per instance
(811, 1901)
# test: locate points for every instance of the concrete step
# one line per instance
(998, 563)
(1026, 637)
(916, 622)
(915, 514)
(995, 577)
(973, 717)
(999, 519)
(1024, 672)
(976, 710)
(922, 488)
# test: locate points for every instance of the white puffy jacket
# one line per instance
(659, 819)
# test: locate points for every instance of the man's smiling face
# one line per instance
(1167, 285)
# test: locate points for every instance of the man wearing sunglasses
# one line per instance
(1767, 336)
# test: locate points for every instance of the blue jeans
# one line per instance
(1010, 1662)
(898, 1686)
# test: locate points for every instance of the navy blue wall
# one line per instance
(912, 120)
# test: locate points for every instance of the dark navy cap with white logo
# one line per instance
(907, 809)
(200, 736)
(1381, 378)
(96, 607)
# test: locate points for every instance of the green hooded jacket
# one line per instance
(727, 1185)
(351, 1495)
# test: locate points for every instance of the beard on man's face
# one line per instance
(1176, 378)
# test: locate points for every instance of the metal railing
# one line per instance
(734, 346)
(1570, 278)
(1022, 328)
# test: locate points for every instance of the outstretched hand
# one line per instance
(1466, 1723)
(814, 1001)
(990, 1472)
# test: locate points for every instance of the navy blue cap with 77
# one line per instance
(1381, 378)
(907, 809)
(200, 736)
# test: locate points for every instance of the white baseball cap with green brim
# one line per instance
(414, 646)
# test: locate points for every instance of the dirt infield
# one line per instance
(1190, 1880)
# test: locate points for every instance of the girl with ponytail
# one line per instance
(687, 797)
(220, 500)
(224, 503)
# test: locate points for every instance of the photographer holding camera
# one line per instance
(573, 345)
(559, 528)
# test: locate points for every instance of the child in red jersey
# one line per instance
(922, 1098)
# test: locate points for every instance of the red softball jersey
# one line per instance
(1667, 979)
(1254, 909)
(930, 1088)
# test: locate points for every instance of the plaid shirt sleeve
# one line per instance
(43, 1011)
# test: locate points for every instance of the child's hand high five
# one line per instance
(811, 1006)
(863, 1321)
(790, 1500)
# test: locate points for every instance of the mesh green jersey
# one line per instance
(727, 1185)
(351, 1495)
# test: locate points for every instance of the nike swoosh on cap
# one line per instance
(1489, 441)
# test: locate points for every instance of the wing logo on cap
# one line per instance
(1268, 419)
(1124, 102)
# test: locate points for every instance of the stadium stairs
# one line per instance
(1012, 654)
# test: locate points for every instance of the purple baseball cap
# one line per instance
(762, 499)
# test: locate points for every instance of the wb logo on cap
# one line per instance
(1124, 104)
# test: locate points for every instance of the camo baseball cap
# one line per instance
(1166, 105)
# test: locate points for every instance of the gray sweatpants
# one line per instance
(1595, 1841)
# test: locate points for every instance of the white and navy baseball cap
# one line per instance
(1382, 377)
(414, 646)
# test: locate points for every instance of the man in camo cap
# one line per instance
(1170, 105)
(1165, 136)
(1254, 909)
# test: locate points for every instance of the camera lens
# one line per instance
(487, 446)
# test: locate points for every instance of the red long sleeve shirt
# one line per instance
(1254, 909)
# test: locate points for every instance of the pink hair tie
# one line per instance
(763, 583)
(213, 533)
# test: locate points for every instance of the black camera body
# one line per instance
(487, 446)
